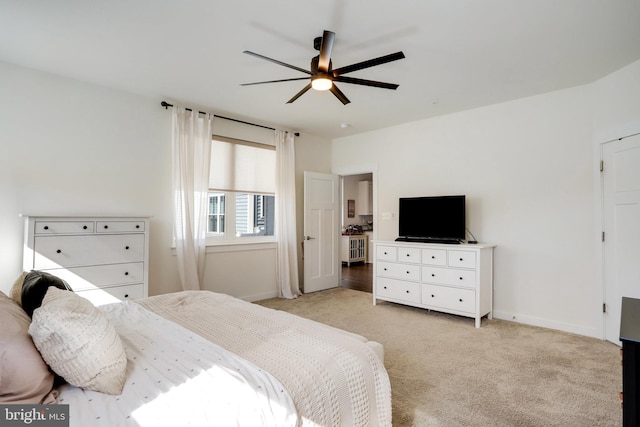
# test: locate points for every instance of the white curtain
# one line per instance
(191, 143)
(287, 254)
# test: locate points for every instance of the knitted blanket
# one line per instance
(334, 377)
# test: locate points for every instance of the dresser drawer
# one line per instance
(409, 255)
(434, 257)
(119, 226)
(63, 227)
(462, 259)
(398, 289)
(86, 278)
(70, 251)
(113, 294)
(449, 276)
(386, 253)
(449, 298)
(398, 270)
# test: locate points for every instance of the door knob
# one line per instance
(308, 238)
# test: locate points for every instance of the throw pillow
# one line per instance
(16, 289)
(24, 376)
(35, 287)
(77, 341)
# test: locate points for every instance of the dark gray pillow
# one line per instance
(35, 287)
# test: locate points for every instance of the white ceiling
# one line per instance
(460, 54)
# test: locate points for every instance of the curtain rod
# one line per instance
(166, 105)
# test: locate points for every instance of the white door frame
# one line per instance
(358, 170)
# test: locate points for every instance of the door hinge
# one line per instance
(604, 307)
(603, 236)
(601, 165)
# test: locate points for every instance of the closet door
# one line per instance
(621, 201)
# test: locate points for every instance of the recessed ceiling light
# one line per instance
(344, 125)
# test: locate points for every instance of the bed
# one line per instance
(203, 358)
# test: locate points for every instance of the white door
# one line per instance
(321, 231)
(621, 252)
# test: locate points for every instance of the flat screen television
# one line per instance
(438, 219)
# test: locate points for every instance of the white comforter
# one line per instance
(334, 377)
(177, 378)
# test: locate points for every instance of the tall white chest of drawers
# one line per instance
(104, 259)
(456, 279)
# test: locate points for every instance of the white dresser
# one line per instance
(456, 279)
(104, 259)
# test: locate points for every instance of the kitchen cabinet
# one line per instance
(365, 198)
(354, 248)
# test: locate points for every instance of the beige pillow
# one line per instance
(16, 289)
(24, 377)
(77, 341)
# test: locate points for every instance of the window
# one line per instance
(242, 192)
(216, 213)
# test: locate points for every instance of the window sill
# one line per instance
(235, 247)
(239, 246)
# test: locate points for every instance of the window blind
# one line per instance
(242, 166)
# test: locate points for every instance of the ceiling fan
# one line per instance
(323, 77)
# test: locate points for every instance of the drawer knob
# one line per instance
(433, 275)
(46, 227)
(385, 253)
(106, 226)
(126, 295)
(137, 225)
(59, 251)
(408, 272)
(433, 296)
(385, 269)
(460, 299)
(385, 287)
(407, 291)
(126, 247)
(433, 257)
(461, 278)
(126, 273)
(408, 255)
(84, 227)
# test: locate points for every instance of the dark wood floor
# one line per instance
(358, 276)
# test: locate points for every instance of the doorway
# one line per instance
(357, 231)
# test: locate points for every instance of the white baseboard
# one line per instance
(259, 297)
(549, 324)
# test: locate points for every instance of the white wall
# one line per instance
(527, 168)
(73, 148)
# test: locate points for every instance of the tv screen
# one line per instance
(432, 219)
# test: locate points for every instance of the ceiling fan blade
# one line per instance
(338, 93)
(325, 51)
(274, 81)
(299, 94)
(369, 63)
(275, 61)
(365, 82)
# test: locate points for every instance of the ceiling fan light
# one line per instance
(321, 83)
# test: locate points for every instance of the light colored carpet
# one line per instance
(445, 372)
